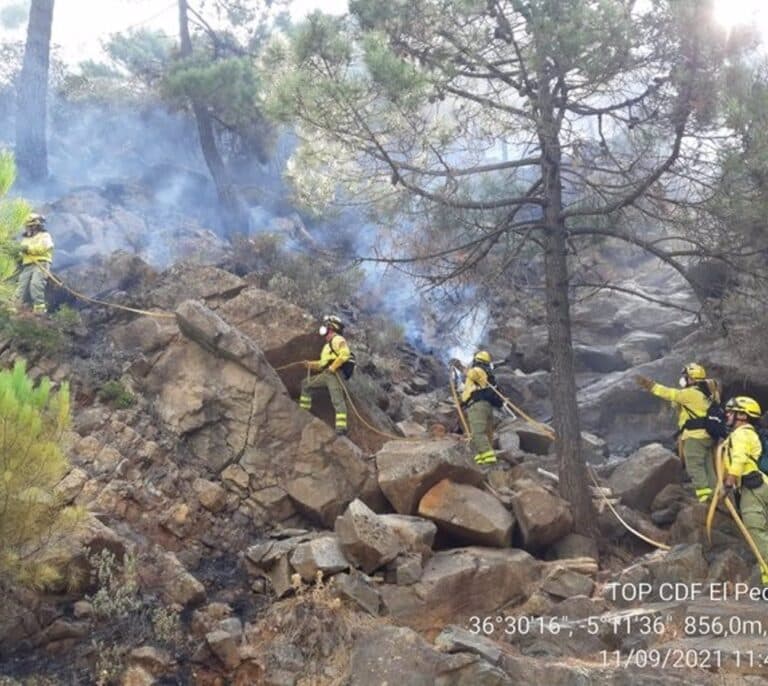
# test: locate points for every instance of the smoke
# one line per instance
(130, 178)
(470, 332)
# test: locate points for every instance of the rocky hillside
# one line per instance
(233, 538)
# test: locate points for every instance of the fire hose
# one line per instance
(721, 494)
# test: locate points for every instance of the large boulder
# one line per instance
(594, 358)
(470, 515)
(415, 534)
(214, 388)
(639, 478)
(457, 584)
(321, 554)
(398, 655)
(408, 469)
(364, 539)
(639, 347)
(534, 438)
(682, 564)
(268, 320)
(194, 282)
(542, 517)
(177, 585)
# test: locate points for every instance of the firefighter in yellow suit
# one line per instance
(478, 400)
(693, 398)
(741, 451)
(334, 355)
(36, 250)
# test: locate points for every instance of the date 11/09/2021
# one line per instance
(682, 658)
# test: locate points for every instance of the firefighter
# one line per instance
(36, 254)
(741, 452)
(695, 445)
(478, 400)
(335, 358)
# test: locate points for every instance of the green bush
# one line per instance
(33, 336)
(116, 394)
(67, 318)
(32, 519)
(118, 585)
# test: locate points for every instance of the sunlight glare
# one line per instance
(731, 13)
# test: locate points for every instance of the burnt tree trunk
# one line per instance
(234, 214)
(573, 477)
(32, 95)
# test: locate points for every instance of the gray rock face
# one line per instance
(358, 588)
(365, 540)
(462, 582)
(184, 282)
(543, 517)
(684, 563)
(455, 639)
(574, 545)
(534, 438)
(644, 474)
(639, 347)
(627, 416)
(217, 392)
(225, 646)
(415, 534)
(178, 585)
(398, 655)
(471, 515)
(407, 470)
(210, 494)
(145, 334)
(565, 583)
(602, 359)
(318, 555)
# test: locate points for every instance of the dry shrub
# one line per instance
(319, 624)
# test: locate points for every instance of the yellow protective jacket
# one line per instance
(691, 402)
(37, 248)
(476, 380)
(334, 354)
(741, 451)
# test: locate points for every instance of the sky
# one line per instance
(80, 26)
(732, 12)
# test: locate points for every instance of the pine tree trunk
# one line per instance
(234, 214)
(572, 468)
(32, 92)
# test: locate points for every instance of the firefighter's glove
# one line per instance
(644, 382)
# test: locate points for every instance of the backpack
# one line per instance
(348, 368)
(488, 394)
(713, 422)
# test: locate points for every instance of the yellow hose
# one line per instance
(720, 471)
(81, 296)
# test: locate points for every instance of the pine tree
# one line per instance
(32, 520)
(31, 107)
(12, 215)
(502, 139)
